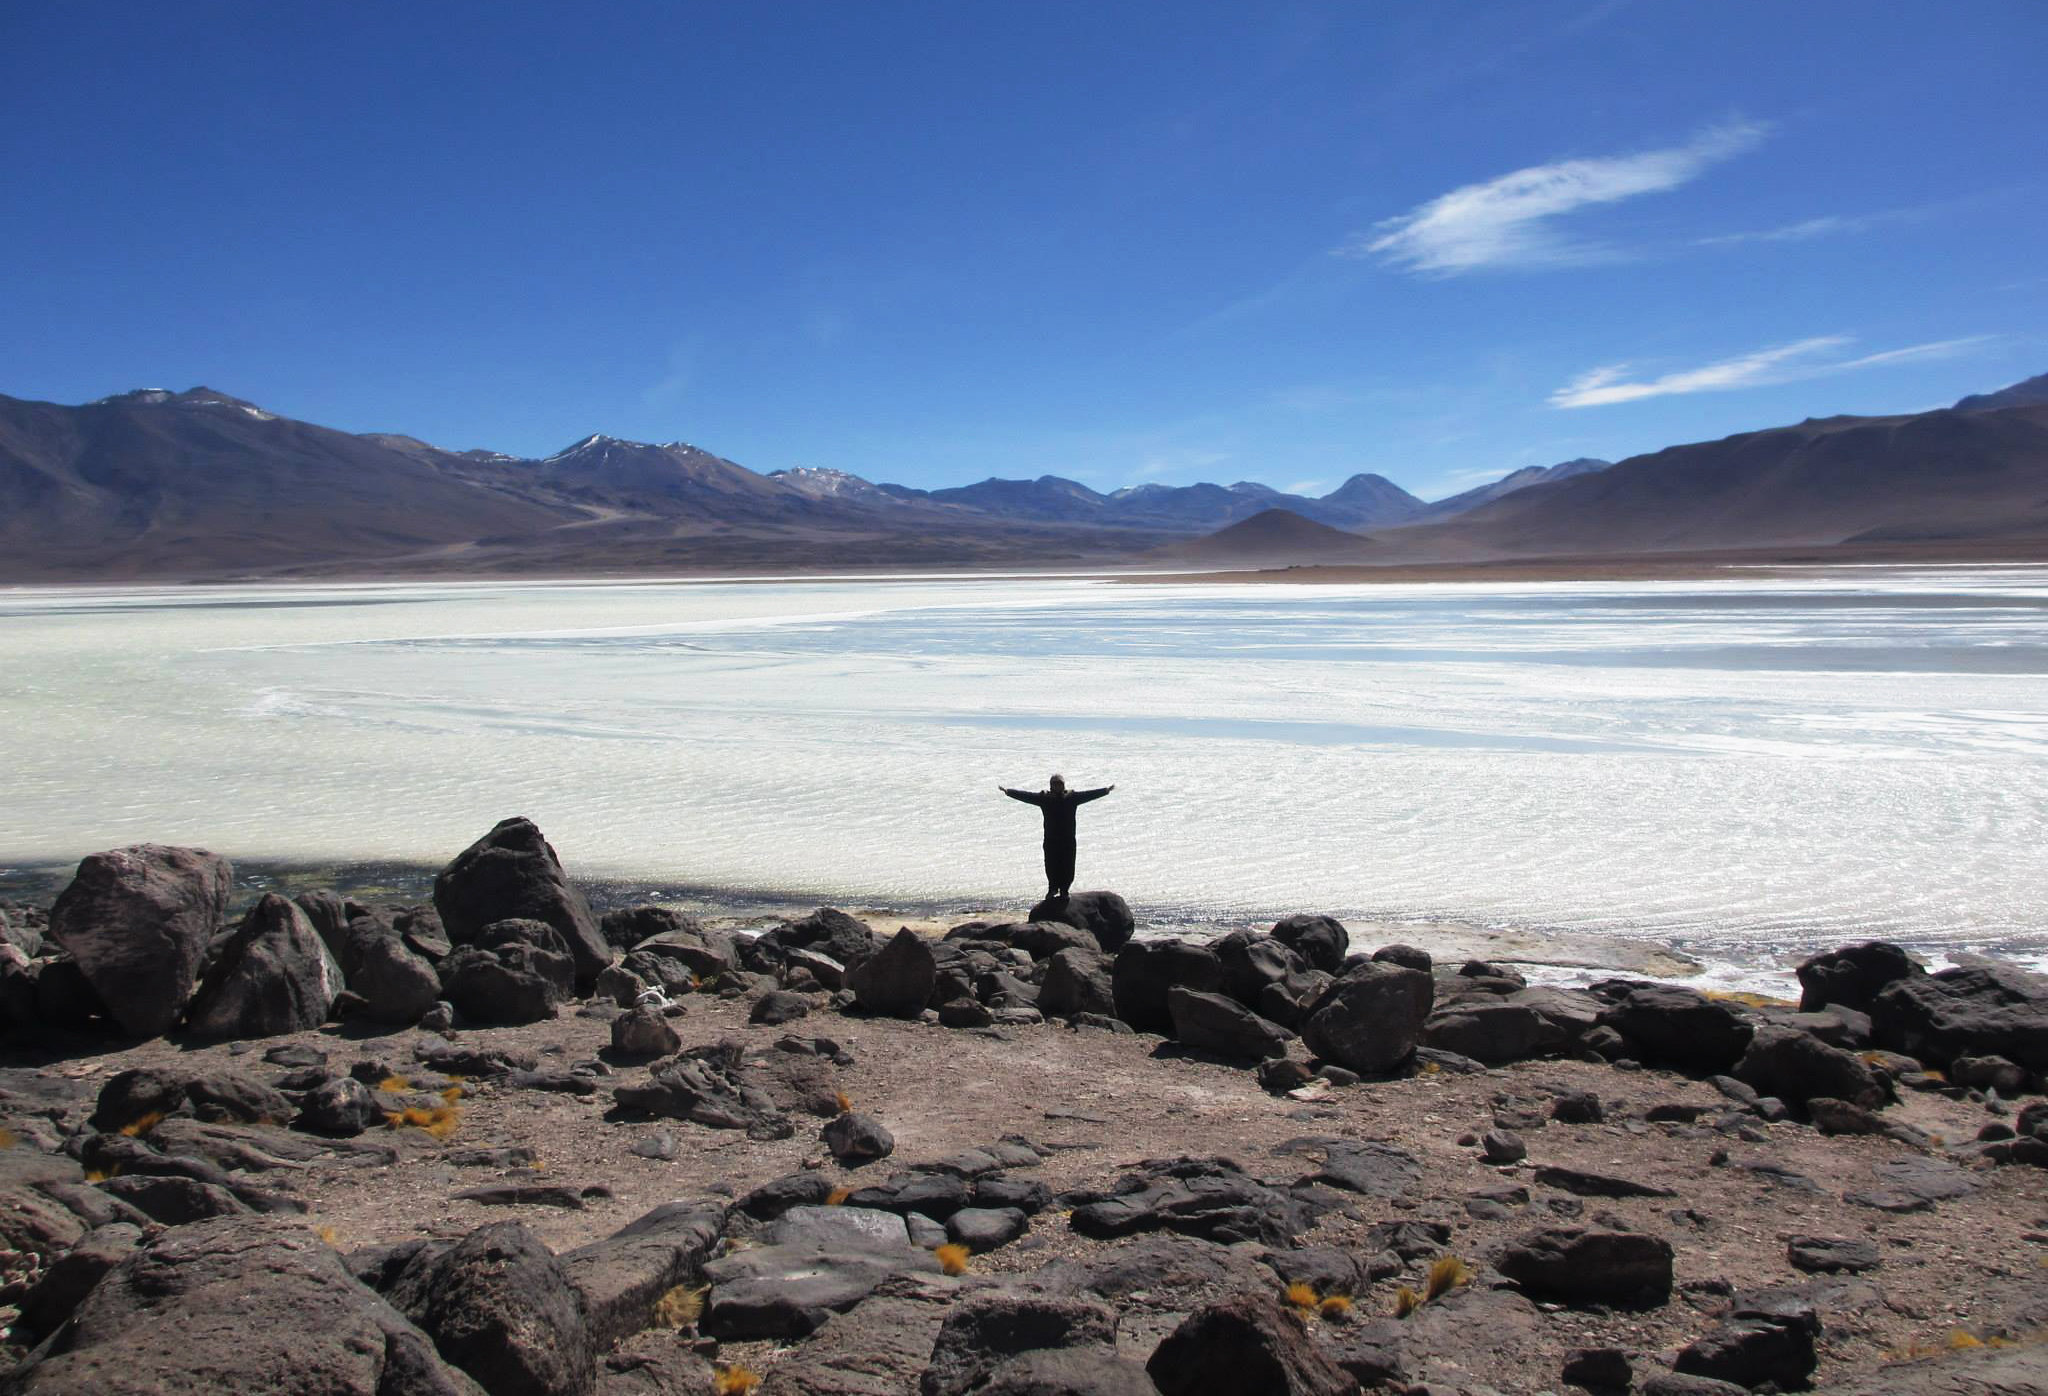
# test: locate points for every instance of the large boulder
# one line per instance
(512, 874)
(1246, 1343)
(1321, 940)
(1146, 969)
(237, 1306)
(1677, 1027)
(502, 1307)
(1213, 1023)
(1796, 1066)
(1371, 1019)
(272, 976)
(984, 1332)
(1854, 975)
(622, 1277)
(137, 922)
(1104, 915)
(897, 981)
(396, 983)
(1254, 963)
(1982, 1009)
(1580, 1265)
(846, 940)
(1493, 1031)
(511, 972)
(1077, 980)
(628, 926)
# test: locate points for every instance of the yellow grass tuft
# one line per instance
(843, 1101)
(7, 1138)
(136, 1128)
(1335, 1306)
(451, 1094)
(837, 1197)
(1959, 1341)
(952, 1259)
(395, 1084)
(328, 1234)
(1406, 1302)
(440, 1122)
(735, 1381)
(1446, 1275)
(99, 1175)
(1301, 1295)
(681, 1307)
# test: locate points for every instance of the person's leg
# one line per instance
(1059, 872)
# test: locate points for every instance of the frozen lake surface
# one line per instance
(1744, 769)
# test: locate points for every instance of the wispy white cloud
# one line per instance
(1818, 357)
(1307, 487)
(1803, 231)
(1510, 222)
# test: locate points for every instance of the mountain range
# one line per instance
(199, 484)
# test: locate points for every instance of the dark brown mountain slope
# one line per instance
(1935, 475)
(199, 483)
(1274, 538)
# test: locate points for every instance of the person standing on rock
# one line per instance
(1057, 804)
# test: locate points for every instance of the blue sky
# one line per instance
(1114, 241)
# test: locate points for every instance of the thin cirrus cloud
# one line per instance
(1818, 357)
(1512, 222)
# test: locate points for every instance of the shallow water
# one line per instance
(1745, 768)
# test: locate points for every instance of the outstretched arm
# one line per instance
(1027, 796)
(1082, 797)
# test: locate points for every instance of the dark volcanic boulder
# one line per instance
(1854, 975)
(1077, 981)
(1370, 1019)
(512, 874)
(137, 921)
(1213, 1023)
(1247, 1343)
(1146, 969)
(846, 940)
(857, 1139)
(238, 1305)
(1490, 1031)
(1321, 940)
(1252, 963)
(1761, 1342)
(137, 1094)
(272, 976)
(986, 1331)
(627, 927)
(499, 1305)
(1677, 1027)
(396, 983)
(644, 1032)
(511, 972)
(1978, 1010)
(1104, 915)
(1796, 1067)
(623, 1276)
(1576, 1265)
(342, 1108)
(897, 980)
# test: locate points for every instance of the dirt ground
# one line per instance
(1972, 1265)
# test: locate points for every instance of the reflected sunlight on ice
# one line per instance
(1746, 767)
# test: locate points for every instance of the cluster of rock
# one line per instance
(161, 1252)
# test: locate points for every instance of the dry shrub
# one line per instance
(843, 1101)
(1301, 1295)
(1959, 1341)
(1336, 1307)
(7, 1138)
(837, 1197)
(395, 1084)
(441, 1121)
(1444, 1276)
(136, 1128)
(952, 1258)
(328, 1234)
(451, 1094)
(1406, 1302)
(736, 1381)
(681, 1307)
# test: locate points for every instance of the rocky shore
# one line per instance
(498, 1143)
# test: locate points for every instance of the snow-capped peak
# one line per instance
(821, 483)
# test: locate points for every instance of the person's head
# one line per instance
(1057, 784)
